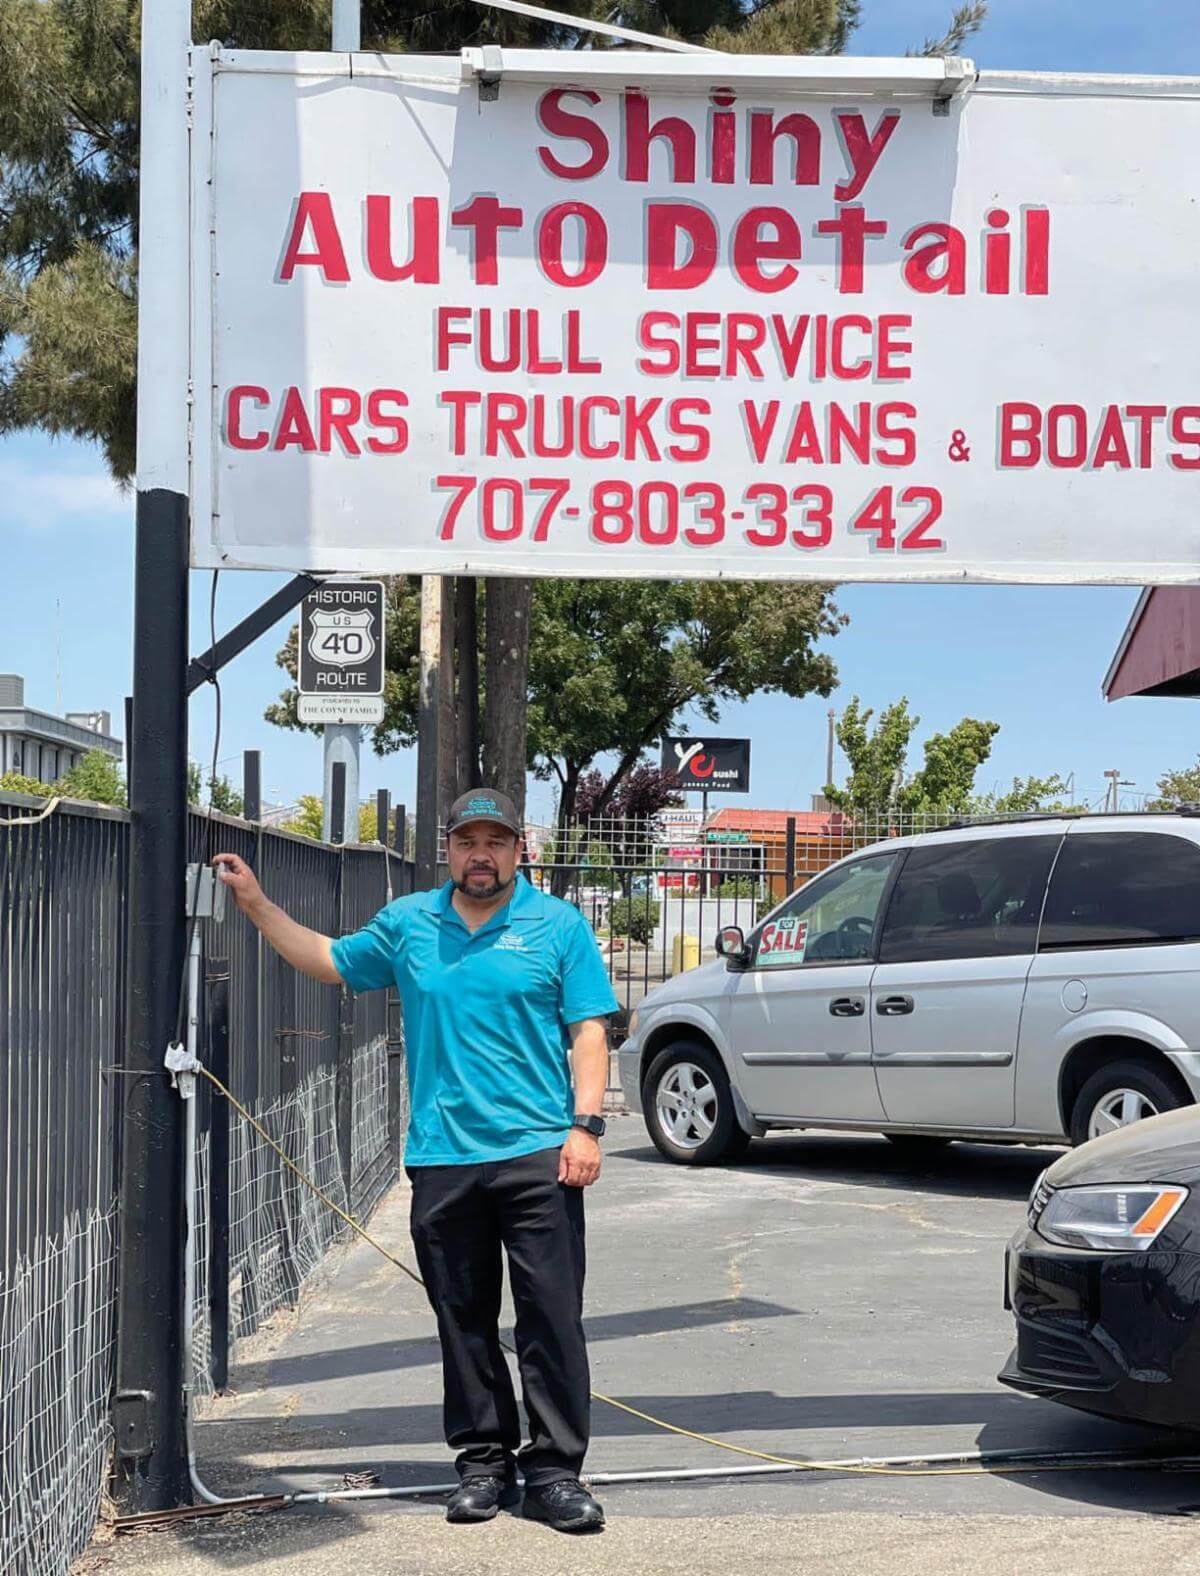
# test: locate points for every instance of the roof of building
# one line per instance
(1159, 653)
(812, 823)
(55, 730)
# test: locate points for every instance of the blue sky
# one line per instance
(1031, 659)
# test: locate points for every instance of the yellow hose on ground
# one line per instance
(799, 1462)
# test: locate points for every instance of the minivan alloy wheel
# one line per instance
(1119, 1108)
(686, 1105)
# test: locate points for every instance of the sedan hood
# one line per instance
(1161, 1149)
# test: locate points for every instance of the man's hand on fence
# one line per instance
(241, 881)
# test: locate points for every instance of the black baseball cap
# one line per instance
(484, 804)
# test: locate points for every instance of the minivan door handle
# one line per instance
(847, 1007)
(894, 1006)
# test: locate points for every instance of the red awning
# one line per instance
(1159, 652)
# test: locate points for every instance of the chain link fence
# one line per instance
(319, 1068)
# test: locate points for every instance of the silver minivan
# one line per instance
(1029, 981)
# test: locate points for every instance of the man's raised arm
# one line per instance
(306, 950)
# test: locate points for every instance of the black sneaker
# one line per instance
(480, 1496)
(564, 1505)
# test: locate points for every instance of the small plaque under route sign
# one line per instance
(341, 667)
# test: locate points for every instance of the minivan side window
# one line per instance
(1121, 889)
(980, 898)
(831, 920)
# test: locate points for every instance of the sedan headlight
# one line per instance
(1113, 1219)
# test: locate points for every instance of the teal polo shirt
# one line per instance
(485, 1017)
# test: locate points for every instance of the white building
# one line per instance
(38, 744)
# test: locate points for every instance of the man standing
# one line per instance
(496, 980)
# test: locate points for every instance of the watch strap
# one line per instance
(595, 1125)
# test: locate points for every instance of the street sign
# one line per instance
(626, 314)
(708, 765)
(341, 653)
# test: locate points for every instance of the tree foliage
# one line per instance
(96, 777)
(309, 819)
(1178, 787)
(222, 795)
(879, 782)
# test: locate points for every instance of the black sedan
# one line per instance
(1105, 1278)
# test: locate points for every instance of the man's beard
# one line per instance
(494, 889)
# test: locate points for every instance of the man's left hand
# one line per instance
(579, 1162)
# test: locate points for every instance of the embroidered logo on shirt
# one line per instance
(510, 941)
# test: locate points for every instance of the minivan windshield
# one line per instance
(831, 920)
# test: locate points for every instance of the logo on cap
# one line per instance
(483, 807)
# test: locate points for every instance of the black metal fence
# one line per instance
(318, 1067)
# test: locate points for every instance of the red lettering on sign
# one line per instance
(315, 209)
(559, 122)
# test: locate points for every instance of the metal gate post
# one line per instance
(217, 984)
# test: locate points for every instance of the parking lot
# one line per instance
(827, 1297)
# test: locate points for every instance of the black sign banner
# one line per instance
(707, 765)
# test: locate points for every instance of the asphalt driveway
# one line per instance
(826, 1297)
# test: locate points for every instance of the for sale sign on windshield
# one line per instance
(629, 315)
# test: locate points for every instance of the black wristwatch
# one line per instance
(595, 1125)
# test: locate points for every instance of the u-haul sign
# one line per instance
(622, 315)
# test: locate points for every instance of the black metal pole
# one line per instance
(400, 831)
(791, 855)
(252, 785)
(383, 810)
(217, 982)
(151, 1468)
(129, 746)
(337, 796)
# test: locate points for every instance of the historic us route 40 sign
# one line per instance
(341, 652)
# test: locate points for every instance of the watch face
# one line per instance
(591, 1124)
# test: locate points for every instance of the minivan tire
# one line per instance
(1153, 1086)
(717, 1136)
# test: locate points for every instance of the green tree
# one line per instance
(222, 795)
(613, 663)
(17, 782)
(1027, 796)
(879, 782)
(97, 777)
(309, 819)
(1178, 787)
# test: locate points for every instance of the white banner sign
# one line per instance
(605, 318)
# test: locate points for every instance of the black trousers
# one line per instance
(462, 1217)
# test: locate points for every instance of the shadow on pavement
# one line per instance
(421, 1351)
(959, 1170)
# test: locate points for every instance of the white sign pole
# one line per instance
(343, 741)
(347, 25)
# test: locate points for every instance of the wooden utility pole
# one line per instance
(447, 731)
(427, 732)
(466, 633)
(509, 602)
